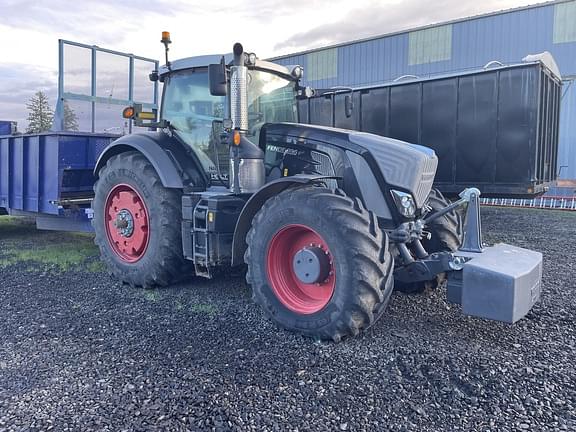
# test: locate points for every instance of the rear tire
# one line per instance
(347, 301)
(446, 235)
(128, 188)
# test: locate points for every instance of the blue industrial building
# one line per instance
(505, 36)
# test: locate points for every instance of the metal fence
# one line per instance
(95, 84)
(543, 202)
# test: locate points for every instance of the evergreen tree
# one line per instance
(70, 118)
(40, 114)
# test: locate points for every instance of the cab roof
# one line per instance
(205, 60)
(195, 62)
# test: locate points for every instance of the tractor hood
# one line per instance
(404, 166)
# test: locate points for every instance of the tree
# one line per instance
(40, 114)
(70, 118)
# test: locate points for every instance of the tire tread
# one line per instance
(368, 247)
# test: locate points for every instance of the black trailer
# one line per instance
(496, 129)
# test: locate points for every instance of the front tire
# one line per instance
(354, 277)
(137, 222)
(446, 232)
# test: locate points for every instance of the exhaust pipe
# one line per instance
(247, 173)
(239, 90)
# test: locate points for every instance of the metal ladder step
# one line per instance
(200, 242)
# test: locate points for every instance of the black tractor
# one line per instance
(327, 221)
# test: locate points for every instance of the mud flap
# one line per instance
(502, 283)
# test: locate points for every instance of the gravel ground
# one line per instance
(81, 352)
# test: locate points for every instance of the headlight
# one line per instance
(404, 203)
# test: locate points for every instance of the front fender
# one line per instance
(254, 204)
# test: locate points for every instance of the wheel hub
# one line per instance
(301, 269)
(127, 223)
(124, 223)
(311, 265)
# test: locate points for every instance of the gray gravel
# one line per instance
(81, 352)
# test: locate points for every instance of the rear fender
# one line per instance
(175, 166)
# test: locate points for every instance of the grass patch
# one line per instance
(191, 304)
(20, 242)
(152, 295)
(64, 257)
(96, 267)
(12, 227)
(204, 308)
(7, 220)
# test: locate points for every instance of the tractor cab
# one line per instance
(196, 113)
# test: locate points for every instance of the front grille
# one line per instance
(426, 180)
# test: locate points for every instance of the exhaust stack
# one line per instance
(239, 90)
(247, 173)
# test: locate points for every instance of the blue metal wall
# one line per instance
(506, 37)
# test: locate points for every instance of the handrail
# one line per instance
(406, 76)
(493, 62)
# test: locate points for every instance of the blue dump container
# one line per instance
(7, 127)
(39, 172)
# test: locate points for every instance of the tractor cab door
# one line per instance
(271, 99)
(196, 117)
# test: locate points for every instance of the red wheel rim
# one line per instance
(127, 223)
(294, 294)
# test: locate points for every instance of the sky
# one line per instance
(30, 29)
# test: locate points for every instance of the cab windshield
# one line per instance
(197, 116)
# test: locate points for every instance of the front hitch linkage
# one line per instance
(472, 224)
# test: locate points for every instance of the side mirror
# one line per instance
(217, 78)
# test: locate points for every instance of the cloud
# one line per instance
(29, 29)
(376, 18)
(108, 19)
(67, 14)
(19, 83)
(266, 10)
